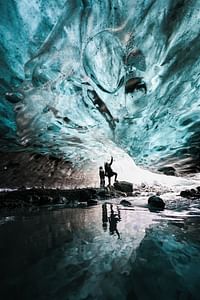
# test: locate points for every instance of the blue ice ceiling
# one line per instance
(85, 79)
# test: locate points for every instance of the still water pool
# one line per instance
(103, 252)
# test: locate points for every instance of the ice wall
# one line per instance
(65, 65)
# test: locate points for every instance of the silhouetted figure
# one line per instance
(104, 217)
(102, 177)
(109, 172)
(113, 219)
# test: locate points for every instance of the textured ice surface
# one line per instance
(59, 54)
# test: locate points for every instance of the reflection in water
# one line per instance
(113, 219)
(104, 217)
(67, 255)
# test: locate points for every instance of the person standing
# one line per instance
(109, 172)
(102, 177)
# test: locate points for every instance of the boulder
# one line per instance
(82, 204)
(135, 194)
(123, 186)
(156, 202)
(171, 171)
(92, 202)
(62, 200)
(194, 194)
(198, 189)
(85, 194)
(125, 203)
(186, 194)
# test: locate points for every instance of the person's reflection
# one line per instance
(104, 217)
(113, 220)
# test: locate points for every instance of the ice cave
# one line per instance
(81, 82)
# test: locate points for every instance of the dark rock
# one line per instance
(92, 202)
(171, 171)
(102, 193)
(63, 200)
(121, 194)
(22, 188)
(73, 204)
(85, 194)
(156, 202)
(124, 186)
(82, 204)
(198, 189)
(186, 194)
(135, 194)
(191, 193)
(66, 198)
(125, 203)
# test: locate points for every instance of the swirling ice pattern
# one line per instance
(65, 65)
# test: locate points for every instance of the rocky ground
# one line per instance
(84, 197)
(24, 197)
(65, 198)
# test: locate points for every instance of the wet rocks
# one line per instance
(124, 186)
(62, 200)
(186, 194)
(156, 202)
(125, 202)
(192, 193)
(136, 194)
(91, 202)
(52, 197)
(82, 205)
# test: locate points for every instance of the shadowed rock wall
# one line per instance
(34, 170)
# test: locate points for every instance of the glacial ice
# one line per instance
(57, 53)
